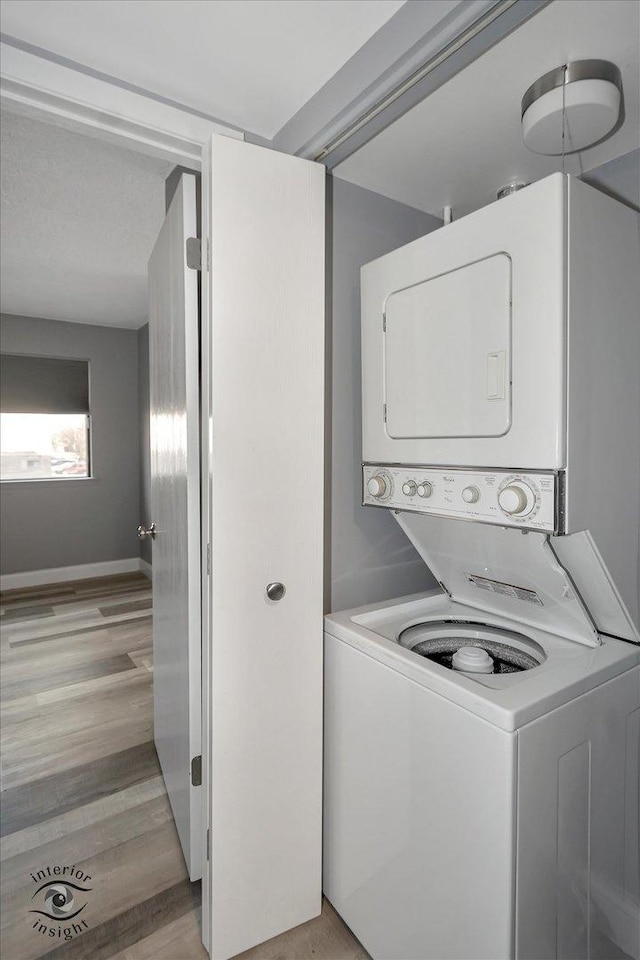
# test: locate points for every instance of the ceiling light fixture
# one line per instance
(572, 107)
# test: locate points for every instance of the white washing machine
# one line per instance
(482, 742)
(472, 814)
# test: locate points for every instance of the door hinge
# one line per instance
(384, 411)
(194, 253)
(384, 323)
(208, 844)
(208, 255)
(196, 771)
(208, 559)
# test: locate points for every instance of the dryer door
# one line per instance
(448, 354)
(464, 340)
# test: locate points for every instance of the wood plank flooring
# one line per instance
(82, 788)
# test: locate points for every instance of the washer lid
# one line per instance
(504, 571)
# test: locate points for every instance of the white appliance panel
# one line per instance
(418, 794)
(448, 354)
(603, 402)
(578, 867)
(526, 501)
(502, 571)
(579, 554)
(525, 231)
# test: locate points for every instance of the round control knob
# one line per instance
(516, 498)
(378, 486)
(425, 489)
(409, 488)
(470, 494)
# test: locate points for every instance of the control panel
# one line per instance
(505, 497)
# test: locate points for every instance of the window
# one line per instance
(44, 418)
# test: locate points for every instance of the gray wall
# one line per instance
(619, 178)
(370, 557)
(61, 523)
(145, 463)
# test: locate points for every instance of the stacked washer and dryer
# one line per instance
(482, 739)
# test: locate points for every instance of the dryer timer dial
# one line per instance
(378, 486)
(517, 499)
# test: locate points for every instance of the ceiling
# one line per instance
(248, 63)
(79, 220)
(80, 215)
(463, 142)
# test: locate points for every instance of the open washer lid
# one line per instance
(504, 571)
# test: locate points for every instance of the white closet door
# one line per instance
(175, 505)
(265, 357)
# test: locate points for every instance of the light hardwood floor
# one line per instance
(81, 787)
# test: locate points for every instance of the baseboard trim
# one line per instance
(84, 571)
(146, 568)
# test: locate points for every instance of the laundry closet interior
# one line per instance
(393, 526)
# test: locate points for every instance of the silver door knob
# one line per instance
(144, 532)
(276, 590)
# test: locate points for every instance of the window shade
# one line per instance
(43, 385)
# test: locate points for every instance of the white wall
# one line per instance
(370, 557)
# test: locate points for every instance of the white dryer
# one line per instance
(507, 345)
(481, 744)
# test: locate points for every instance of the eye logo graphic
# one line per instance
(60, 899)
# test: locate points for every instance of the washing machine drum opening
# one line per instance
(453, 643)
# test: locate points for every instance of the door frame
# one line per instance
(57, 94)
(47, 89)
